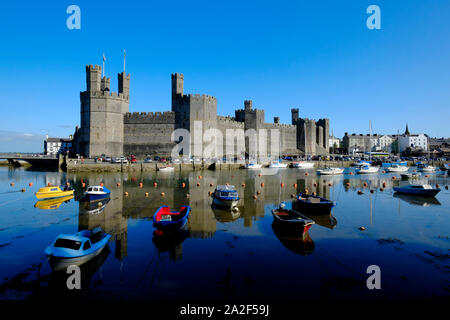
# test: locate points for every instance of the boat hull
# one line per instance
(59, 263)
(53, 195)
(225, 203)
(330, 172)
(417, 192)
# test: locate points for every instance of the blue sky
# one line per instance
(317, 56)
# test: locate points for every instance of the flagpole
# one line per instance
(103, 65)
(124, 59)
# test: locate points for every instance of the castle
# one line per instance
(107, 126)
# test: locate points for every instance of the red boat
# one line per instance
(166, 219)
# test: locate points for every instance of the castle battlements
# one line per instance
(150, 117)
(105, 94)
(281, 126)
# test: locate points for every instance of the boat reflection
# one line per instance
(94, 207)
(327, 221)
(294, 239)
(52, 204)
(225, 215)
(58, 279)
(170, 242)
(418, 200)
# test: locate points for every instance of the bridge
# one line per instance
(33, 159)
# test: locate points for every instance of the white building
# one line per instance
(334, 143)
(54, 146)
(384, 143)
(414, 141)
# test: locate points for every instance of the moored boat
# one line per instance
(95, 193)
(166, 169)
(426, 168)
(367, 169)
(330, 171)
(225, 196)
(53, 192)
(397, 168)
(168, 220)
(277, 164)
(253, 166)
(417, 189)
(51, 204)
(290, 217)
(303, 165)
(76, 249)
(311, 204)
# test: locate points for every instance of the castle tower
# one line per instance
(177, 87)
(294, 115)
(102, 113)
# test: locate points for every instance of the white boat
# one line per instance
(330, 171)
(225, 196)
(427, 168)
(409, 176)
(277, 164)
(303, 165)
(396, 168)
(253, 166)
(360, 163)
(367, 169)
(166, 169)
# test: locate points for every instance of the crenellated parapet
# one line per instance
(150, 117)
(105, 95)
(230, 122)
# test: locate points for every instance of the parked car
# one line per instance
(148, 160)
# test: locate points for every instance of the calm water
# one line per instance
(224, 255)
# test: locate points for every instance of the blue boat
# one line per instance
(167, 220)
(76, 249)
(225, 196)
(94, 193)
(311, 204)
(418, 190)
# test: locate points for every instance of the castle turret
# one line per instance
(102, 113)
(177, 87)
(294, 114)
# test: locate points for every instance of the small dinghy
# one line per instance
(52, 204)
(53, 192)
(225, 196)
(313, 204)
(278, 165)
(291, 217)
(76, 249)
(418, 190)
(95, 193)
(166, 220)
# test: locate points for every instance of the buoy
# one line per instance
(437, 185)
(315, 185)
(30, 184)
(118, 184)
(101, 184)
(262, 184)
(162, 194)
(243, 185)
(155, 184)
(126, 194)
(200, 177)
(371, 191)
(347, 184)
(365, 184)
(294, 185)
(258, 192)
(259, 174)
(351, 173)
(381, 189)
(183, 185)
(282, 185)
(255, 197)
(198, 184)
(329, 184)
(314, 193)
(446, 187)
(141, 184)
(23, 190)
(362, 228)
(48, 184)
(83, 185)
(306, 173)
(12, 184)
(394, 177)
(426, 176)
(360, 192)
(292, 195)
(187, 195)
(306, 191)
(383, 171)
(210, 184)
(210, 193)
(146, 194)
(99, 204)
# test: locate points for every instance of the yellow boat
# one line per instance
(52, 192)
(51, 204)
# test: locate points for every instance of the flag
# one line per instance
(124, 53)
(104, 58)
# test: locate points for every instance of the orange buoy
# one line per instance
(210, 184)
(30, 184)
(141, 184)
(262, 184)
(259, 174)
(351, 173)
(365, 184)
(306, 173)
(155, 184)
(243, 185)
(329, 184)
(258, 192)
(187, 195)
(23, 190)
(183, 185)
(437, 185)
(83, 185)
(162, 194)
(360, 192)
(126, 194)
(381, 189)
(294, 185)
(200, 177)
(101, 184)
(306, 191)
(209, 193)
(12, 184)
(282, 185)
(394, 177)
(198, 184)
(426, 176)
(146, 194)
(314, 193)
(347, 184)
(315, 185)
(255, 197)
(118, 184)
(48, 184)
